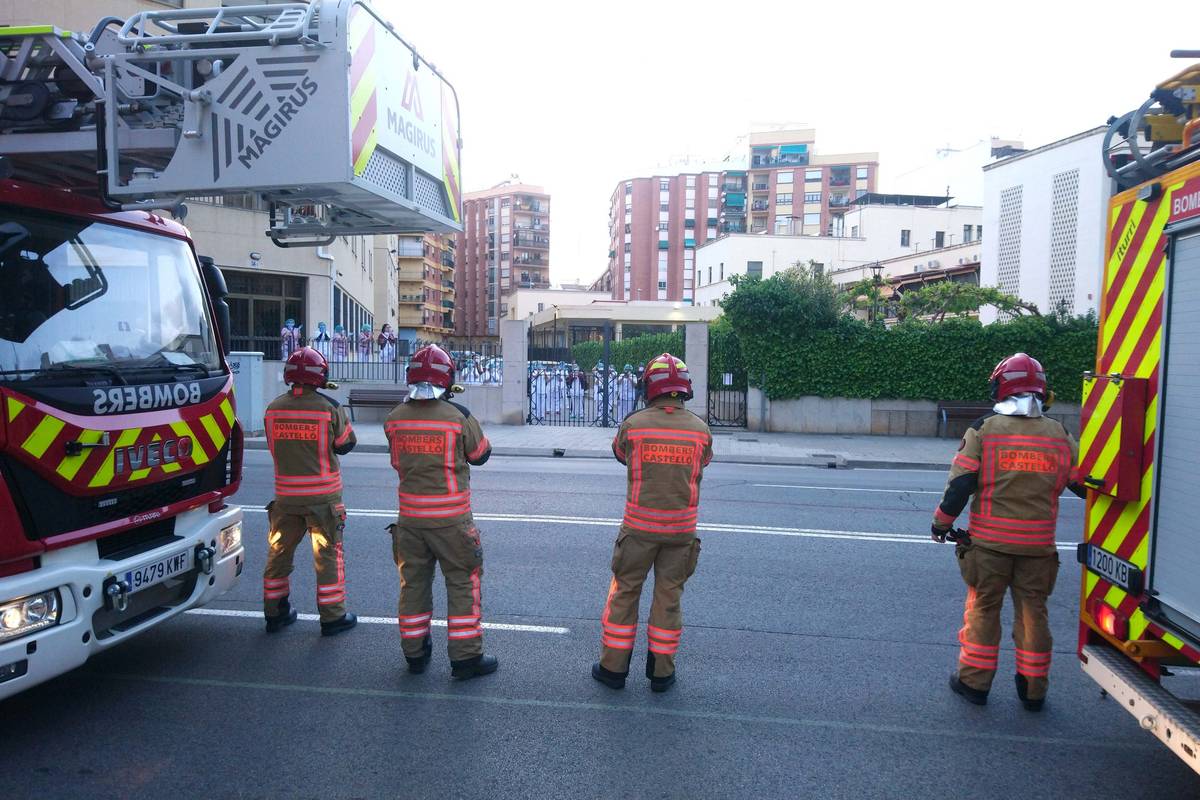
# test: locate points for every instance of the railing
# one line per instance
(761, 187)
(779, 161)
(536, 244)
(560, 396)
(408, 250)
(760, 205)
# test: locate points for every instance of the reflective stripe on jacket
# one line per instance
(306, 432)
(665, 449)
(432, 445)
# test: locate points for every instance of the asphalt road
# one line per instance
(820, 630)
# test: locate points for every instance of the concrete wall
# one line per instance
(858, 416)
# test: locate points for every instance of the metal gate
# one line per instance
(727, 400)
(561, 393)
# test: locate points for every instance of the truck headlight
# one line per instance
(231, 538)
(25, 615)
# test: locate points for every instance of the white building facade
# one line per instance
(881, 232)
(1045, 214)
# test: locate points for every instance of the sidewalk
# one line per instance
(738, 447)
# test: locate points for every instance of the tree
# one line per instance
(866, 295)
(796, 300)
(956, 298)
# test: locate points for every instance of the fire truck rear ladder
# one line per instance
(110, 113)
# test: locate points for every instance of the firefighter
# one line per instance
(306, 432)
(432, 442)
(665, 447)
(1014, 463)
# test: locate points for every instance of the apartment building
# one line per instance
(425, 287)
(656, 223)
(504, 246)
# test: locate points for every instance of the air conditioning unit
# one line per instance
(919, 268)
(934, 264)
(962, 260)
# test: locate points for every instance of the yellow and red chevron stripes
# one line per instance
(1129, 344)
(36, 434)
(363, 113)
(450, 154)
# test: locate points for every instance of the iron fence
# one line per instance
(376, 359)
(581, 399)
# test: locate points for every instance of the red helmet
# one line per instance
(306, 366)
(431, 364)
(666, 374)
(1016, 374)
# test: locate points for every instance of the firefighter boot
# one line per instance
(1030, 703)
(613, 680)
(660, 684)
(473, 667)
(966, 692)
(284, 616)
(417, 664)
(345, 623)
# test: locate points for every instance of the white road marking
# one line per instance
(857, 489)
(703, 527)
(437, 623)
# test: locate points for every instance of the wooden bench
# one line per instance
(958, 412)
(376, 398)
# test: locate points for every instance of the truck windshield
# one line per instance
(76, 294)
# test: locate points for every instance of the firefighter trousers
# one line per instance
(633, 557)
(324, 523)
(1030, 580)
(457, 548)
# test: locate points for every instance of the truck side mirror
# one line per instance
(214, 282)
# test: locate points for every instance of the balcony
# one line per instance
(448, 304)
(735, 199)
(447, 260)
(449, 284)
(733, 227)
(762, 187)
(537, 227)
(410, 275)
(785, 160)
(839, 201)
(410, 250)
(760, 205)
(532, 242)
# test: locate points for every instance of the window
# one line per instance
(861, 173)
(664, 185)
(691, 180)
(854, 231)
(664, 206)
(783, 199)
(712, 203)
(812, 219)
(818, 268)
(541, 306)
(722, 271)
(627, 247)
(967, 229)
(662, 226)
(689, 223)
(939, 240)
(812, 176)
(710, 273)
(839, 176)
(629, 188)
(905, 237)
(812, 197)
(784, 177)
(978, 232)
(754, 269)
(662, 284)
(628, 228)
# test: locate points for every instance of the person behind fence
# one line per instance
(433, 444)
(495, 370)
(626, 392)
(1012, 465)
(340, 344)
(665, 449)
(598, 390)
(306, 432)
(387, 344)
(365, 341)
(538, 388)
(575, 392)
(556, 390)
(321, 341)
(290, 339)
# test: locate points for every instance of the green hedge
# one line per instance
(951, 360)
(636, 351)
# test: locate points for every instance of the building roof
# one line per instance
(506, 188)
(1060, 143)
(881, 199)
(645, 313)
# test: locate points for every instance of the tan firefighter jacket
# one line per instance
(432, 442)
(665, 449)
(1012, 469)
(306, 432)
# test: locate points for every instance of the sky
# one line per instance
(577, 96)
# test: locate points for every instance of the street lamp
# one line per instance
(876, 284)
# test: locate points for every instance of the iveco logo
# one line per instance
(154, 454)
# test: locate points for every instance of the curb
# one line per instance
(824, 462)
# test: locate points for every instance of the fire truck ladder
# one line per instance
(1160, 135)
(199, 103)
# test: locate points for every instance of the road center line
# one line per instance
(655, 710)
(856, 489)
(437, 623)
(703, 527)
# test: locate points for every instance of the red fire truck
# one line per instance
(1140, 442)
(119, 441)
